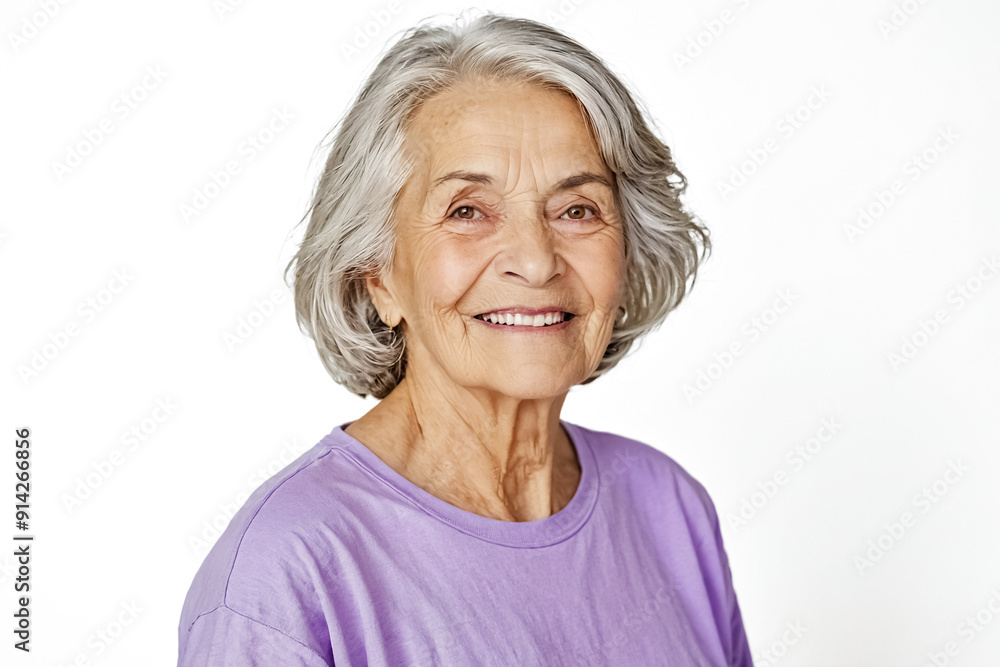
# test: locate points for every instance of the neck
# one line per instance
(498, 456)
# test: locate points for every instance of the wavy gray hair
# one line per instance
(350, 230)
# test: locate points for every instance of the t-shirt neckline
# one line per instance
(525, 534)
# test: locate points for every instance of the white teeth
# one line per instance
(517, 319)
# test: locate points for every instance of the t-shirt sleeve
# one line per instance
(226, 638)
(739, 647)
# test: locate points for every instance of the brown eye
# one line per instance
(578, 212)
(464, 213)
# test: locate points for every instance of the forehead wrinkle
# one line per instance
(522, 130)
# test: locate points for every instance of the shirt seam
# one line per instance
(246, 529)
(261, 623)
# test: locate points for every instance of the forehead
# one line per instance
(491, 119)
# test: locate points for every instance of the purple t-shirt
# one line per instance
(340, 560)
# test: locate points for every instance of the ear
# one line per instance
(381, 295)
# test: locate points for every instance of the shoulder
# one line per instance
(225, 637)
(674, 511)
(262, 562)
(643, 470)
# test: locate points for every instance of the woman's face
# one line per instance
(510, 210)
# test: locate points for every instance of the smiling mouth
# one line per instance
(548, 319)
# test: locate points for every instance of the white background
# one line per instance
(889, 90)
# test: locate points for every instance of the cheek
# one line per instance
(601, 265)
(446, 271)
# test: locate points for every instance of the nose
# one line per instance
(530, 252)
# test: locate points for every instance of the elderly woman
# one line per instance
(496, 224)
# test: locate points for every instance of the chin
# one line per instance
(532, 385)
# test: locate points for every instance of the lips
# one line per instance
(531, 317)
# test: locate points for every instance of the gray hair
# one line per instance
(350, 231)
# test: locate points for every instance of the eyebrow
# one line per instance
(564, 184)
